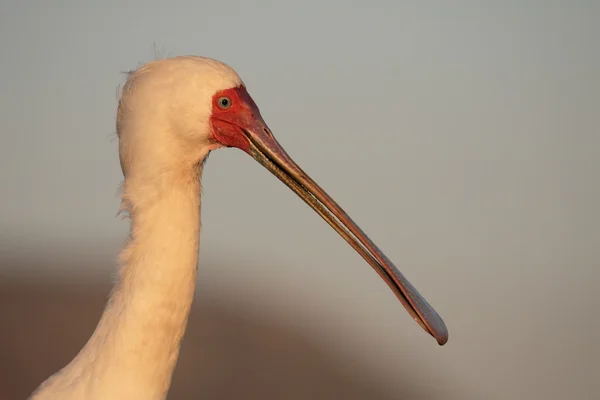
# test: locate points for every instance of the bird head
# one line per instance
(173, 112)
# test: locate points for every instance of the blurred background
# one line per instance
(463, 137)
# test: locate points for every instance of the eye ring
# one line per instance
(224, 102)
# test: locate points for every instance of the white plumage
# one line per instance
(171, 114)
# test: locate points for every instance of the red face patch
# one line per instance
(233, 111)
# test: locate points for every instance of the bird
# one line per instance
(171, 114)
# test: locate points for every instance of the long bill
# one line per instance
(268, 152)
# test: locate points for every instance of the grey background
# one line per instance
(461, 136)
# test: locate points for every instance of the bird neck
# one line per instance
(134, 349)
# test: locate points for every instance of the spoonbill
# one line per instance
(171, 114)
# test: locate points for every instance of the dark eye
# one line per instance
(224, 102)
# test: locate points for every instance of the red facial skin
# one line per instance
(227, 123)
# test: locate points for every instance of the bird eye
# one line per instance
(224, 102)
